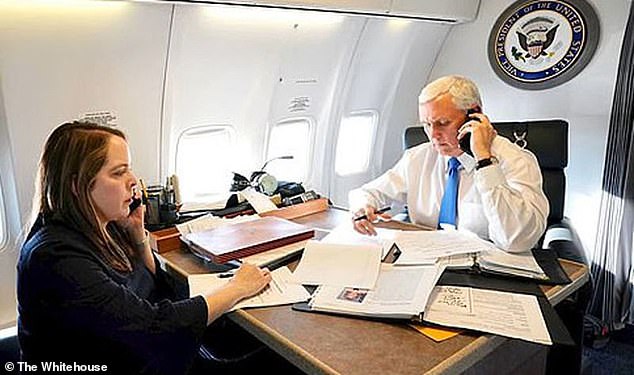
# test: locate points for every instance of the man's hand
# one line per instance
(482, 135)
(364, 225)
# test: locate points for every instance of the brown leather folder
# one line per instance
(235, 241)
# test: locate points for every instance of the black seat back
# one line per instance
(547, 139)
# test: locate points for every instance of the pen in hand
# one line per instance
(379, 211)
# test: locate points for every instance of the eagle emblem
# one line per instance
(535, 36)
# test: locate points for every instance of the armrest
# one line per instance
(562, 238)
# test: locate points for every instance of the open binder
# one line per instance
(399, 293)
(414, 312)
(540, 265)
(558, 332)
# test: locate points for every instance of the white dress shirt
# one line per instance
(503, 203)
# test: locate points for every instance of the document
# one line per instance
(400, 292)
(501, 313)
(209, 221)
(212, 202)
(425, 247)
(261, 203)
(339, 265)
(279, 292)
(345, 234)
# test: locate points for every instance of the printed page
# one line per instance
(506, 314)
(425, 247)
(345, 234)
(399, 292)
(339, 265)
(279, 292)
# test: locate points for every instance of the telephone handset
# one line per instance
(465, 142)
(136, 202)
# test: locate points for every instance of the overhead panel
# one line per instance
(453, 11)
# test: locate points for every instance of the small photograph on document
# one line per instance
(353, 295)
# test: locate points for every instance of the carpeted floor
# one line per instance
(617, 357)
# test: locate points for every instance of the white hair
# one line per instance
(464, 92)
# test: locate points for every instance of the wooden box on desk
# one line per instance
(168, 239)
(299, 210)
(165, 240)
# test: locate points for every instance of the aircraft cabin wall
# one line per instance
(258, 83)
(585, 101)
(61, 61)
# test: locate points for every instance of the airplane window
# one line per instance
(201, 155)
(354, 143)
(289, 137)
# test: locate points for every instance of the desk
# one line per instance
(327, 344)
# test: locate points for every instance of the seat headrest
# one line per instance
(547, 139)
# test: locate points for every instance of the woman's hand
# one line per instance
(249, 280)
(134, 222)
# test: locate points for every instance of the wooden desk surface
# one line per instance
(328, 344)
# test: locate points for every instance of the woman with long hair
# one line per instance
(90, 291)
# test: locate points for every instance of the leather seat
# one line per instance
(548, 141)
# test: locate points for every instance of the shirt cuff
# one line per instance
(358, 199)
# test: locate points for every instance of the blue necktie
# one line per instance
(449, 205)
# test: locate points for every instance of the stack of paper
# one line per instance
(279, 292)
(339, 265)
(425, 247)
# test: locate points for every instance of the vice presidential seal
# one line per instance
(540, 44)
